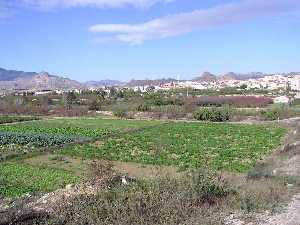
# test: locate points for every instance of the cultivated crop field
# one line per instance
(26, 137)
(188, 145)
(13, 119)
(19, 179)
(30, 139)
(223, 146)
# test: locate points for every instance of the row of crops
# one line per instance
(36, 140)
(66, 131)
(14, 119)
(20, 139)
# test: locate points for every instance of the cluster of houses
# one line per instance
(269, 83)
(272, 82)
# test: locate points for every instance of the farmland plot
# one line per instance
(18, 179)
(188, 145)
(91, 123)
(183, 145)
(14, 119)
(24, 138)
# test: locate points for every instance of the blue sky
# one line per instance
(125, 39)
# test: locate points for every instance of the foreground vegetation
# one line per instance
(197, 194)
(200, 197)
(18, 179)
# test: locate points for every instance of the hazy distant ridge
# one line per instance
(18, 80)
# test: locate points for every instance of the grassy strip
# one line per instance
(19, 179)
(92, 123)
(13, 119)
(233, 147)
(66, 131)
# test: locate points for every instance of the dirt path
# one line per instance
(290, 215)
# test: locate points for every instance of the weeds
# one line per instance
(167, 201)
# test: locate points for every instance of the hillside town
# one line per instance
(283, 88)
(270, 82)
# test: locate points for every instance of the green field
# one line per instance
(91, 123)
(19, 179)
(17, 140)
(188, 145)
(77, 127)
(13, 119)
(25, 137)
(223, 146)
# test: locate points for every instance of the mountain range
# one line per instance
(20, 80)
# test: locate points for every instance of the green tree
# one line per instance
(70, 97)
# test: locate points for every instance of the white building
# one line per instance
(282, 100)
(194, 85)
(295, 84)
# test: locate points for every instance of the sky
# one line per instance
(138, 39)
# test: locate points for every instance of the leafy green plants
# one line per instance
(233, 147)
(19, 179)
(66, 131)
(37, 140)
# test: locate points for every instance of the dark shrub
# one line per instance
(213, 114)
(270, 114)
(143, 108)
(120, 113)
(95, 106)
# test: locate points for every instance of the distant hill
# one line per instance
(209, 77)
(252, 75)
(206, 76)
(16, 80)
(102, 83)
(156, 82)
(229, 76)
(11, 75)
(20, 80)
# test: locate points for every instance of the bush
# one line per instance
(120, 113)
(281, 112)
(213, 114)
(143, 108)
(95, 106)
(270, 114)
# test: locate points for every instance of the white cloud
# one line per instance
(46, 4)
(183, 23)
